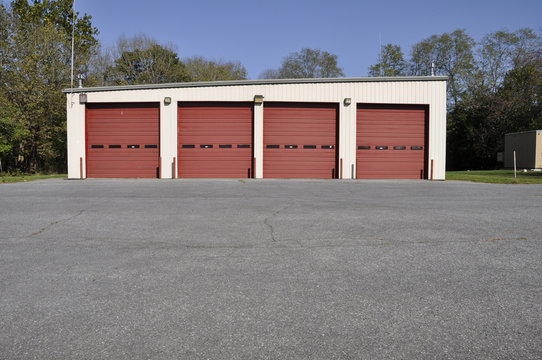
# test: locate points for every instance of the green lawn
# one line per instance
(496, 176)
(20, 178)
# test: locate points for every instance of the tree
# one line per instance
(141, 60)
(11, 133)
(200, 69)
(453, 56)
(391, 62)
(99, 68)
(5, 24)
(478, 123)
(154, 65)
(310, 63)
(35, 57)
(520, 95)
(270, 74)
(36, 74)
(60, 14)
(422, 57)
(500, 52)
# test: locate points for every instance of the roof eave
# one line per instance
(254, 82)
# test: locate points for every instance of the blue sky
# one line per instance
(260, 34)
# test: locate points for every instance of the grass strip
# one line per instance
(496, 176)
(6, 178)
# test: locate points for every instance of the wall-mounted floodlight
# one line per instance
(347, 101)
(82, 99)
(258, 99)
(167, 100)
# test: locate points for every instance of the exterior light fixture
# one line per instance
(167, 100)
(258, 99)
(82, 99)
(347, 101)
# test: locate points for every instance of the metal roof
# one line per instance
(523, 132)
(255, 82)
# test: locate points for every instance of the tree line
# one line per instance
(494, 85)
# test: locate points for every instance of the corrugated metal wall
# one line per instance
(420, 92)
(528, 148)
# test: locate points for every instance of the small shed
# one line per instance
(528, 148)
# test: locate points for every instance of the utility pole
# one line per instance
(73, 47)
(380, 54)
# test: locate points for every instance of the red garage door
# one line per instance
(122, 140)
(391, 142)
(215, 140)
(300, 141)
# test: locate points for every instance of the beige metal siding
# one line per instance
(76, 137)
(419, 92)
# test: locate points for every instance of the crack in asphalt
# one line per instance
(56, 222)
(270, 226)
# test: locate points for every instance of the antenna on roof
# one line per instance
(432, 69)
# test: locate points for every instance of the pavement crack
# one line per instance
(56, 222)
(270, 226)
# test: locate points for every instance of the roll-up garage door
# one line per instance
(300, 140)
(391, 142)
(122, 140)
(215, 140)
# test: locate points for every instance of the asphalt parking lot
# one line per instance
(263, 269)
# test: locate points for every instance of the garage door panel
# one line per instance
(115, 127)
(316, 167)
(383, 140)
(389, 133)
(390, 175)
(215, 163)
(136, 133)
(137, 115)
(390, 129)
(385, 124)
(196, 127)
(219, 154)
(217, 140)
(405, 165)
(123, 141)
(193, 135)
(299, 173)
(318, 163)
(131, 154)
(215, 124)
(300, 125)
(404, 128)
(401, 114)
